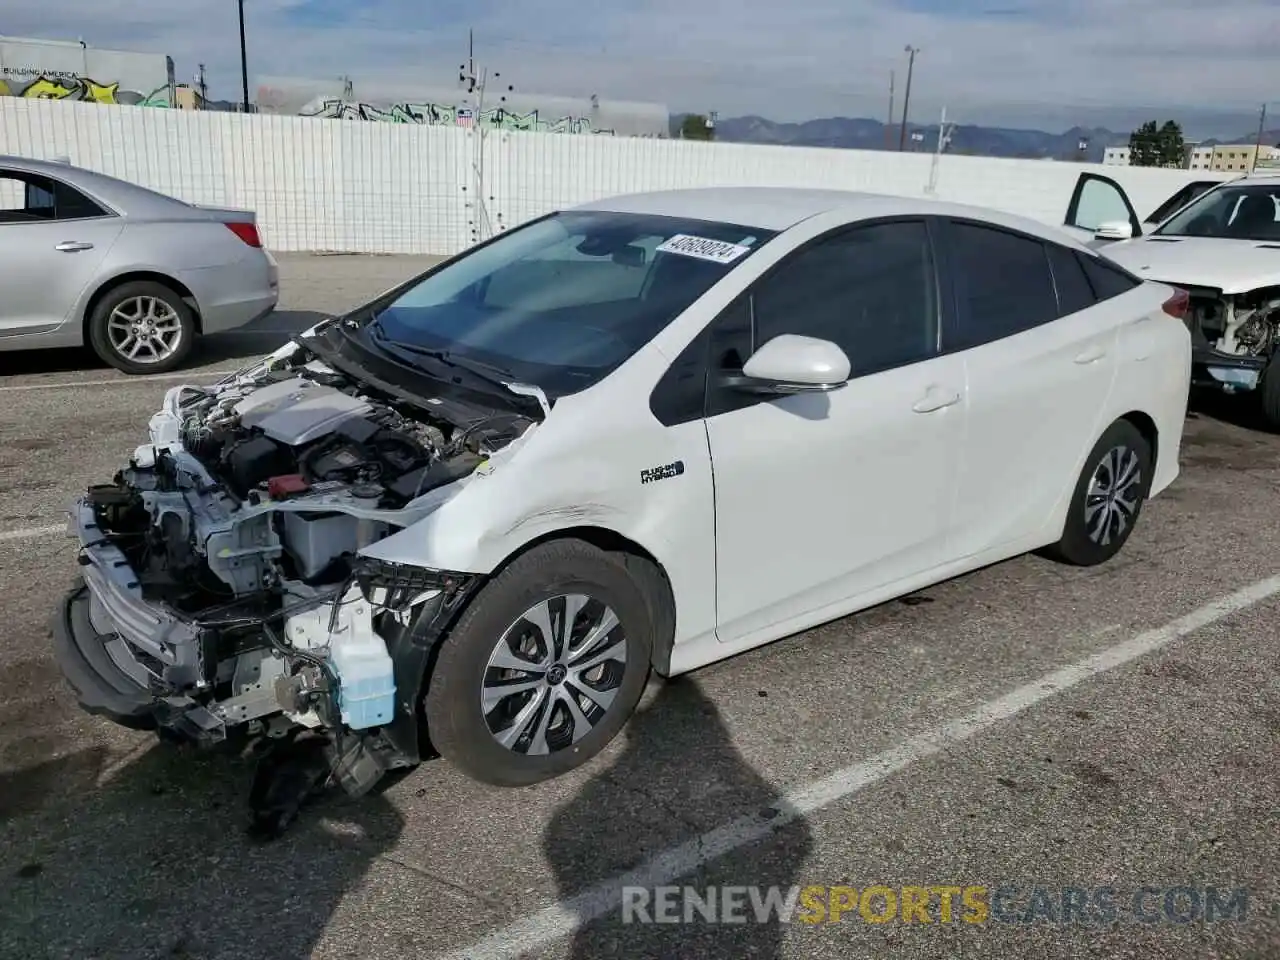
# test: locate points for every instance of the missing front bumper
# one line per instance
(101, 687)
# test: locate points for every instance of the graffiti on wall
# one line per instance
(60, 86)
(437, 114)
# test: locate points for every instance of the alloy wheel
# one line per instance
(1115, 489)
(144, 329)
(553, 675)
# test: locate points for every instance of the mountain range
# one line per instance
(860, 133)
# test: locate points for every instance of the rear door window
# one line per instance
(1003, 283)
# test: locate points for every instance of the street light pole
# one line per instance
(906, 96)
(244, 63)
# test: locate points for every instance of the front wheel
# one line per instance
(543, 669)
(1108, 497)
(142, 327)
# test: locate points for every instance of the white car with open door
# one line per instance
(1221, 243)
(646, 433)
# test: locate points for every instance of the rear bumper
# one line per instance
(221, 317)
(235, 294)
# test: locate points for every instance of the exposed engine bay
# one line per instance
(222, 566)
(1243, 325)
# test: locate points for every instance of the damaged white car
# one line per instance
(1223, 248)
(470, 517)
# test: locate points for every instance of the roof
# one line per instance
(780, 208)
(125, 197)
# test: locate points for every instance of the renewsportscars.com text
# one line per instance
(934, 903)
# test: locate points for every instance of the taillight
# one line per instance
(247, 232)
(1178, 305)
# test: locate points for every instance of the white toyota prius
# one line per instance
(645, 434)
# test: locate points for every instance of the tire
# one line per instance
(461, 728)
(1085, 542)
(1269, 389)
(148, 301)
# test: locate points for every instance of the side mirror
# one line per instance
(790, 363)
(1114, 230)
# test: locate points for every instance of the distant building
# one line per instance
(1240, 157)
(1201, 158)
(444, 106)
(1228, 157)
(71, 70)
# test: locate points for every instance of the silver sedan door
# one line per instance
(53, 240)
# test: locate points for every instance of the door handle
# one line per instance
(935, 398)
(1092, 355)
(73, 246)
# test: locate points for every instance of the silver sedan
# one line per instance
(137, 275)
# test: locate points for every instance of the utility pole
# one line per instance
(1257, 147)
(468, 70)
(888, 124)
(244, 64)
(201, 86)
(906, 96)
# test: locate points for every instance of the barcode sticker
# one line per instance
(717, 251)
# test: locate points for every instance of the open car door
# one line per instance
(1100, 212)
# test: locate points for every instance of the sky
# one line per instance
(1018, 63)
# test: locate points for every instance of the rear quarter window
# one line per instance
(1107, 279)
(1075, 292)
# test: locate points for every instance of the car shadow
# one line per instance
(679, 775)
(148, 865)
(1240, 410)
(253, 340)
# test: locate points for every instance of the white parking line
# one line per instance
(567, 916)
(30, 533)
(118, 382)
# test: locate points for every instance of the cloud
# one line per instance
(1011, 62)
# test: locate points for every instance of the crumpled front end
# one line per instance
(223, 586)
(1233, 336)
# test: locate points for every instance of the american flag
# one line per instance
(466, 118)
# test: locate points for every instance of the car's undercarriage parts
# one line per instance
(1235, 333)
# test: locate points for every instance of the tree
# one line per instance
(695, 127)
(1152, 146)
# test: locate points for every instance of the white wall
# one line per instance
(390, 188)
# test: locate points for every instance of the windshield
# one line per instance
(563, 301)
(1233, 212)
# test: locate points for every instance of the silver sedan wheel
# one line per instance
(1112, 500)
(144, 330)
(553, 674)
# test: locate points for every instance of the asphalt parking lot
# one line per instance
(1027, 726)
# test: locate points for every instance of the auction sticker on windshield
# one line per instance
(717, 251)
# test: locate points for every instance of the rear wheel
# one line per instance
(1108, 497)
(544, 667)
(142, 327)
